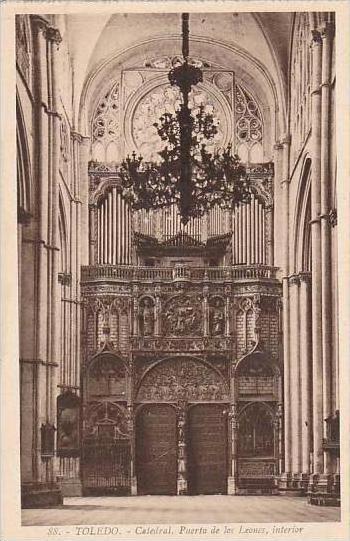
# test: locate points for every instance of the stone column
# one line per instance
(227, 311)
(41, 165)
(135, 327)
(158, 312)
(305, 368)
(279, 426)
(182, 487)
(286, 476)
(131, 429)
(294, 349)
(206, 314)
(233, 417)
(316, 256)
(53, 38)
(327, 37)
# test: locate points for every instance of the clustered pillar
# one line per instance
(308, 300)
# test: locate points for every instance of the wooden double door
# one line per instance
(157, 449)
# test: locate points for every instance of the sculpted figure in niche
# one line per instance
(147, 318)
(217, 320)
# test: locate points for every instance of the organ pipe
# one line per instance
(248, 261)
(115, 222)
(119, 228)
(256, 223)
(114, 225)
(110, 227)
(251, 231)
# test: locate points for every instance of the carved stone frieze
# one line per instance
(148, 343)
(107, 289)
(183, 379)
(264, 289)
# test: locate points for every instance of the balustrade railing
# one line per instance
(177, 273)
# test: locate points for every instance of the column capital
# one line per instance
(305, 277)
(76, 136)
(50, 33)
(294, 279)
(286, 140)
(53, 34)
(39, 23)
(316, 37)
(333, 217)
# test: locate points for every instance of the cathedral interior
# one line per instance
(158, 357)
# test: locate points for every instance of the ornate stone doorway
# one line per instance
(181, 428)
(207, 449)
(106, 446)
(156, 449)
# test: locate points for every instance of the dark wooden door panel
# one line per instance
(207, 449)
(156, 450)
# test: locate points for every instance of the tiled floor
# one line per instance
(184, 509)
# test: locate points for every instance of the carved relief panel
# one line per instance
(183, 379)
(183, 316)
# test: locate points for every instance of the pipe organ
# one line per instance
(249, 244)
(248, 223)
(113, 229)
(112, 223)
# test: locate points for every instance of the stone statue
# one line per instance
(217, 319)
(147, 318)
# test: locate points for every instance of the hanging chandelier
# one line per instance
(187, 174)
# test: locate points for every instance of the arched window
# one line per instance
(107, 121)
(249, 126)
(106, 126)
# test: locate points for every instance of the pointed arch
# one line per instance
(302, 217)
(25, 192)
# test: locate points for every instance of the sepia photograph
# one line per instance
(177, 261)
